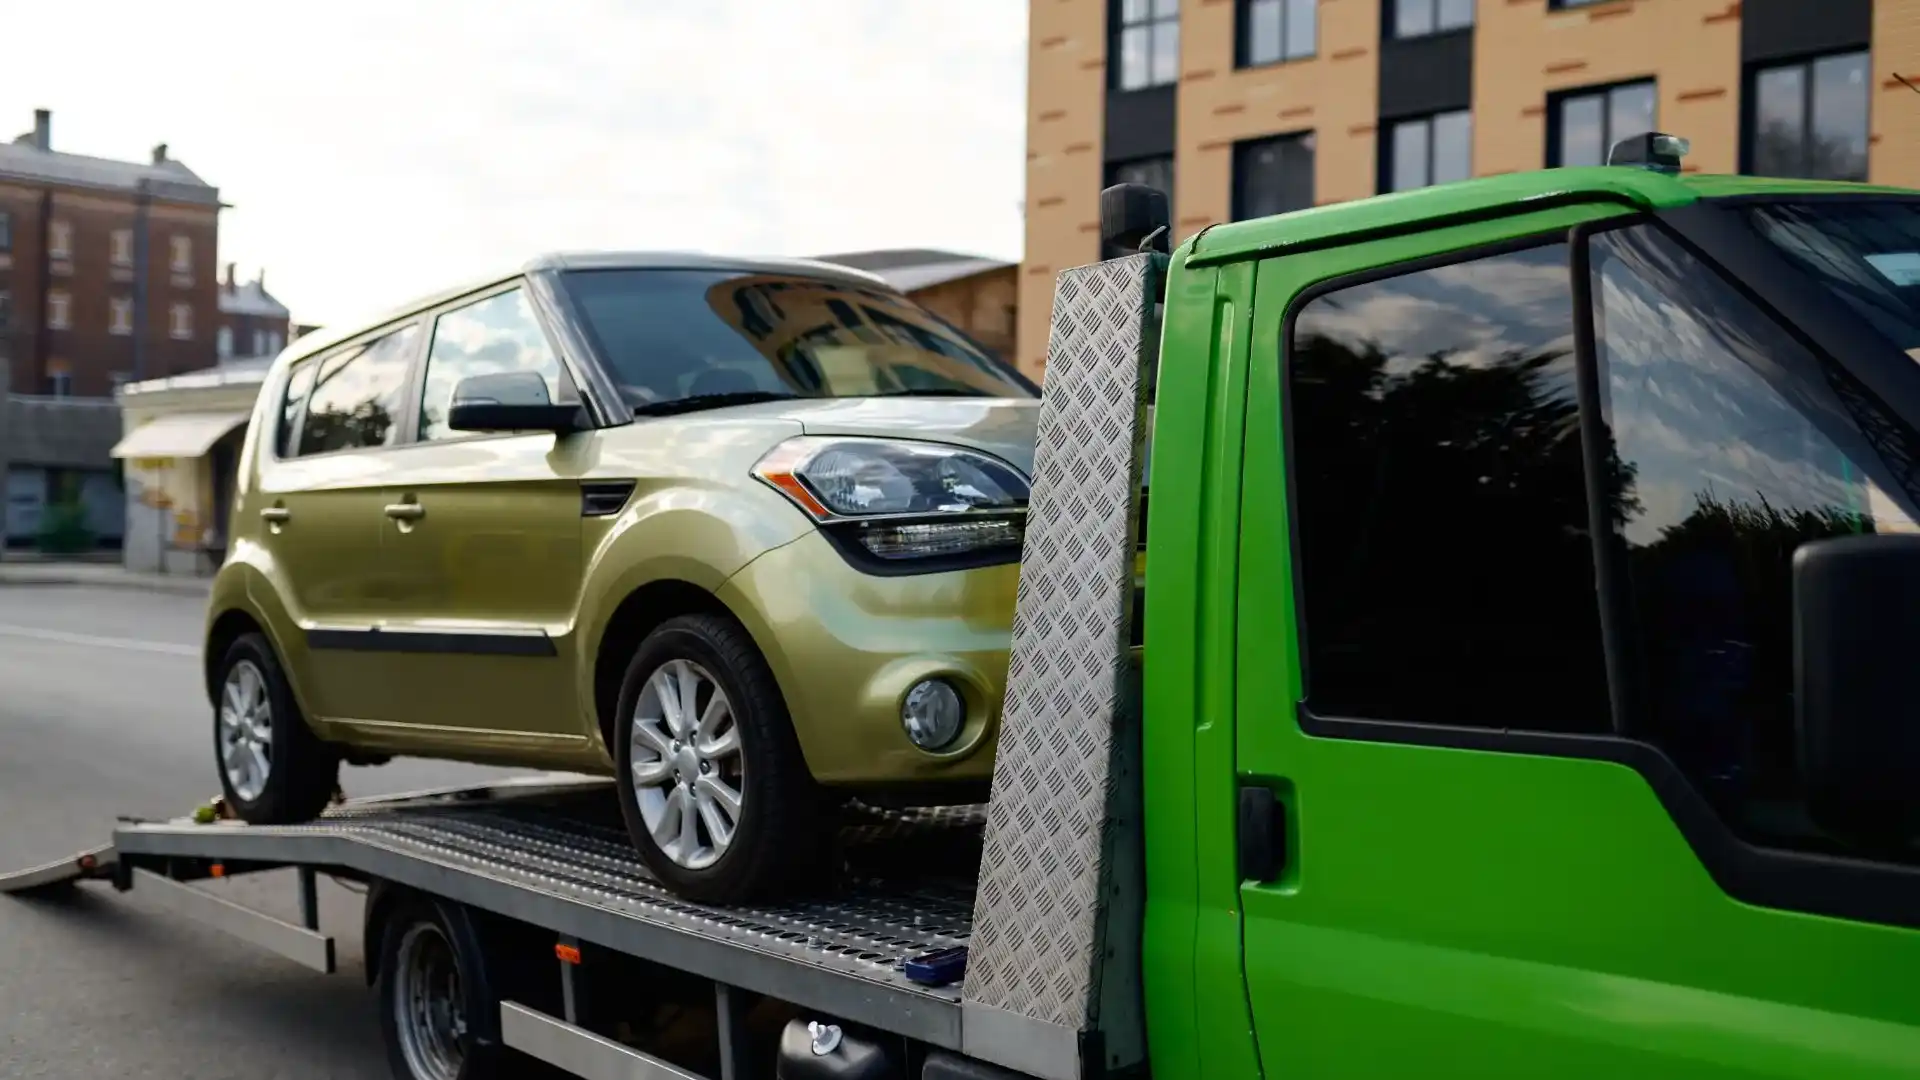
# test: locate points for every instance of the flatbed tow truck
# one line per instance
(1260, 854)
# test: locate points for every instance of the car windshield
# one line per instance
(1864, 251)
(682, 339)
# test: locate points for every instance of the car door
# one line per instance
(482, 538)
(319, 504)
(1512, 851)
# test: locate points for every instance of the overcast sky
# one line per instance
(373, 151)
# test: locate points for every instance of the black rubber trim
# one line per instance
(604, 498)
(845, 538)
(439, 643)
(1814, 884)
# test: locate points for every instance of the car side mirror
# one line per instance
(510, 401)
(1857, 652)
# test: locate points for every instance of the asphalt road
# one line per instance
(102, 714)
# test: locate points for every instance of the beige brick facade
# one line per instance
(1523, 52)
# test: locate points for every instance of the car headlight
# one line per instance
(901, 501)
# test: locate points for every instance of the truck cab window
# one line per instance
(1446, 563)
(1734, 449)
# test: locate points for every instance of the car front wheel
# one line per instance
(713, 787)
(273, 769)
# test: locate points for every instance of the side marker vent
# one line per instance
(604, 498)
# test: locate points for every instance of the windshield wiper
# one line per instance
(709, 401)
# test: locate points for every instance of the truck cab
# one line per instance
(1533, 562)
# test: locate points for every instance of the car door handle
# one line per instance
(406, 511)
(275, 515)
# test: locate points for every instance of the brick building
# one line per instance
(107, 268)
(252, 322)
(1242, 108)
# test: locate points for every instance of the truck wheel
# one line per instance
(714, 790)
(438, 1012)
(273, 769)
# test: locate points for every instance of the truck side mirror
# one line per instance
(1131, 214)
(1857, 651)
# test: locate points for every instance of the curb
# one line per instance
(176, 587)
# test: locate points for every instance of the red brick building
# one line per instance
(107, 268)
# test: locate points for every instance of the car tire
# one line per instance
(439, 1015)
(273, 769)
(771, 834)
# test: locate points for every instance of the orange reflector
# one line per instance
(567, 953)
(218, 870)
(87, 862)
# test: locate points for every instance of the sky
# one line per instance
(375, 152)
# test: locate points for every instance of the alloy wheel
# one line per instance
(246, 730)
(688, 774)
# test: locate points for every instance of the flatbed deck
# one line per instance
(551, 852)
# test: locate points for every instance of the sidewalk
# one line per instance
(99, 575)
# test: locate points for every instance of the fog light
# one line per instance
(932, 714)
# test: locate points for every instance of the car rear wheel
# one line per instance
(273, 769)
(713, 787)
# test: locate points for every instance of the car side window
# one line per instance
(1446, 567)
(357, 395)
(293, 405)
(499, 333)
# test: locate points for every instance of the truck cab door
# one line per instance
(1494, 862)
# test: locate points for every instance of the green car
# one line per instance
(745, 532)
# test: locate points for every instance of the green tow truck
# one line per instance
(1526, 690)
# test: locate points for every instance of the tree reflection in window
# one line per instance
(357, 395)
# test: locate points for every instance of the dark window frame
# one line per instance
(1557, 102)
(1386, 160)
(1236, 169)
(1390, 21)
(1773, 878)
(1117, 26)
(1243, 40)
(1750, 103)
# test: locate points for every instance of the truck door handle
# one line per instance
(406, 511)
(276, 517)
(1262, 834)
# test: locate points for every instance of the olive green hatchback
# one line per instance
(743, 534)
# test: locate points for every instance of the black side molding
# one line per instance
(375, 639)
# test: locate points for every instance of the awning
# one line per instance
(182, 435)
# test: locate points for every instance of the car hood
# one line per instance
(1003, 427)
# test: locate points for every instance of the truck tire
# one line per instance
(273, 769)
(712, 784)
(439, 1015)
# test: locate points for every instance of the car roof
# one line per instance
(1629, 185)
(321, 340)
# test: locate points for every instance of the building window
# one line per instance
(1585, 124)
(223, 342)
(1147, 41)
(59, 240)
(120, 315)
(123, 247)
(6, 231)
(1435, 149)
(1272, 176)
(182, 250)
(1809, 119)
(59, 309)
(180, 322)
(60, 383)
(1272, 31)
(1418, 18)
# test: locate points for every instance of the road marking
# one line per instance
(97, 641)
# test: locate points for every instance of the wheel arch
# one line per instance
(638, 614)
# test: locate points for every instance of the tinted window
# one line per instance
(1810, 119)
(1272, 176)
(1435, 149)
(497, 334)
(1147, 33)
(357, 398)
(1446, 564)
(1590, 122)
(293, 406)
(1276, 30)
(1865, 253)
(676, 335)
(1735, 449)
(1416, 18)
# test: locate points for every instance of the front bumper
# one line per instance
(846, 647)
